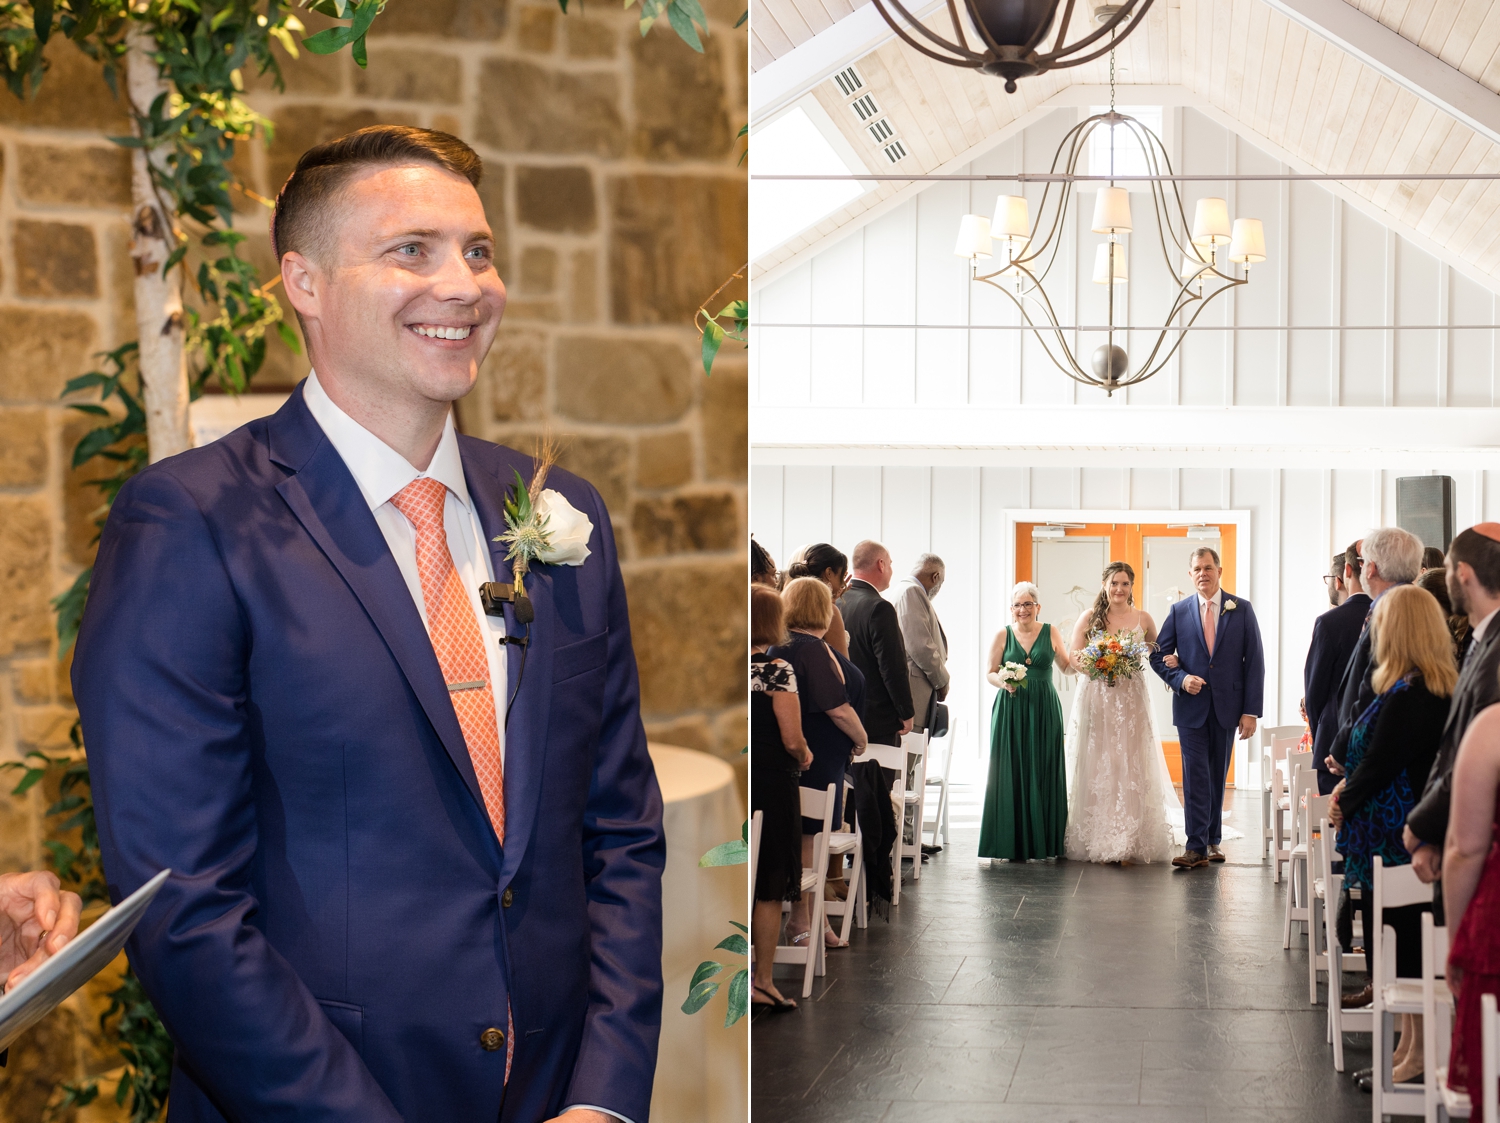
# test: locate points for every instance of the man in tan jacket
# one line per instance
(926, 643)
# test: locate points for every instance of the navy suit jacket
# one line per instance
(1334, 637)
(265, 715)
(1236, 673)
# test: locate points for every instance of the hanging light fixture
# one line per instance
(1009, 34)
(1199, 254)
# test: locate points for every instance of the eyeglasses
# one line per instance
(1025, 604)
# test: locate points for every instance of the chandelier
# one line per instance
(1010, 34)
(1207, 250)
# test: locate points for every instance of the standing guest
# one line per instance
(876, 646)
(1026, 801)
(1391, 749)
(1335, 635)
(923, 636)
(762, 568)
(778, 753)
(830, 566)
(829, 722)
(1391, 557)
(1471, 894)
(1474, 590)
(1432, 558)
(1435, 581)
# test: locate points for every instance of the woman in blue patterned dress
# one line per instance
(1391, 749)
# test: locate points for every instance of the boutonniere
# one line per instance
(1229, 605)
(542, 527)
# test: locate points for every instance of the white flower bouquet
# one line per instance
(1009, 677)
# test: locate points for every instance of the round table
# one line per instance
(701, 1072)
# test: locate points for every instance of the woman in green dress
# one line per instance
(1026, 801)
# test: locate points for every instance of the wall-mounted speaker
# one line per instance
(1424, 506)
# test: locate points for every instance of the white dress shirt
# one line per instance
(1484, 625)
(381, 472)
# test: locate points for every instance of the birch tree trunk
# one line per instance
(158, 299)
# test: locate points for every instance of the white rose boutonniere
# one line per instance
(567, 530)
(1229, 605)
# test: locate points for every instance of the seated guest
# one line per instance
(1391, 749)
(1471, 895)
(831, 724)
(831, 567)
(1435, 581)
(762, 568)
(778, 752)
(1335, 635)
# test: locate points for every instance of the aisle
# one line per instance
(1105, 994)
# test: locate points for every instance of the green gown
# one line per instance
(1026, 801)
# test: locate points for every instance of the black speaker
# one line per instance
(1424, 506)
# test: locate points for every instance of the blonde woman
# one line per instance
(1392, 745)
(1122, 791)
(1026, 801)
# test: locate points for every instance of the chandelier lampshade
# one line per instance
(974, 240)
(1193, 265)
(1103, 274)
(1248, 245)
(1012, 222)
(1211, 223)
(1112, 211)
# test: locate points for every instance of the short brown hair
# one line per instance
(767, 617)
(1352, 559)
(1210, 551)
(324, 169)
(1482, 555)
(809, 604)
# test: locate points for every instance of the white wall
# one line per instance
(1299, 518)
(1329, 265)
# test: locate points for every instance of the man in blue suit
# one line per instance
(415, 837)
(1335, 636)
(1218, 682)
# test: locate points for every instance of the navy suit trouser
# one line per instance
(1206, 753)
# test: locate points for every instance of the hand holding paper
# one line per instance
(36, 919)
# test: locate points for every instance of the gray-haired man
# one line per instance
(926, 643)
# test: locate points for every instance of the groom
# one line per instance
(1217, 682)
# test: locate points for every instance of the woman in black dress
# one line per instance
(778, 752)
(831, 724)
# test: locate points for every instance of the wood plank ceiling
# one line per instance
(1277, 79)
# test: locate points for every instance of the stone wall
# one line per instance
(613, 185)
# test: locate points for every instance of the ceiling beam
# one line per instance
(1400, 60)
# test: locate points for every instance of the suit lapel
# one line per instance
(526, 730)
(1471, 667)
(1193, 609)
(326, 500)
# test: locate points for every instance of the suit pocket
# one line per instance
(579, 658)
(348, 1020)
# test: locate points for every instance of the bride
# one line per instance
(1122, 792)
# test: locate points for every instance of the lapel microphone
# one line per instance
(493, 597)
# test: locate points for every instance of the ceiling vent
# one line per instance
(849, 81)
(865, 108)
(895, 152)
(880, 131)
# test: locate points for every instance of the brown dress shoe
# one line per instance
(1358, 999)
(1190, 859)
(1215, 854)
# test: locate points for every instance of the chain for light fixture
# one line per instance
(1208, 248)
(1010, 34)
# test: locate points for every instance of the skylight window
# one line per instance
(1127, 154)
(793, 144)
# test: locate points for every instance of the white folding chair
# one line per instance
(1276, 742)
(815, 805)
(1318, 844)
(1489, 1022)
(1439, 1103)
(1282, 818)
(1304, 789)
(1394, 886)
(938, 824)
(1340, 1021)
(907, 797)
(841, 843)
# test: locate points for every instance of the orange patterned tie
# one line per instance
(454, 631)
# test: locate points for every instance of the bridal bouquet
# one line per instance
(1011, 675)
(1112, 656)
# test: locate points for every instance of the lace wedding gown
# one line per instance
(1122, 797)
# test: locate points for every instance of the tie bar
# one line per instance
(477, 684)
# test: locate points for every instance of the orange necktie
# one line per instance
(454, 631)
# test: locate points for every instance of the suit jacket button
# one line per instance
(491, 1040)
(507, 897)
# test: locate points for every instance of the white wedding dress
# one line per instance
(1122, 801)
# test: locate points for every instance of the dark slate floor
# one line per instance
(1062, 991)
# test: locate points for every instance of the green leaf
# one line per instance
(173, 258)
(328, 41)
(732, 853)
(739, 23)
(706, 970)
(41, 20)
(698, 997)
(682, 23)
(713, 339)
(734, 945)
(739, 998)
(289, 337)
(28, 781)
(737, 924)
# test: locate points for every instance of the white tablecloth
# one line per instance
(701, 1076)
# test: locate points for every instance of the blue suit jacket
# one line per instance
(1335, 635)
(1236, 673)
(264, 715)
